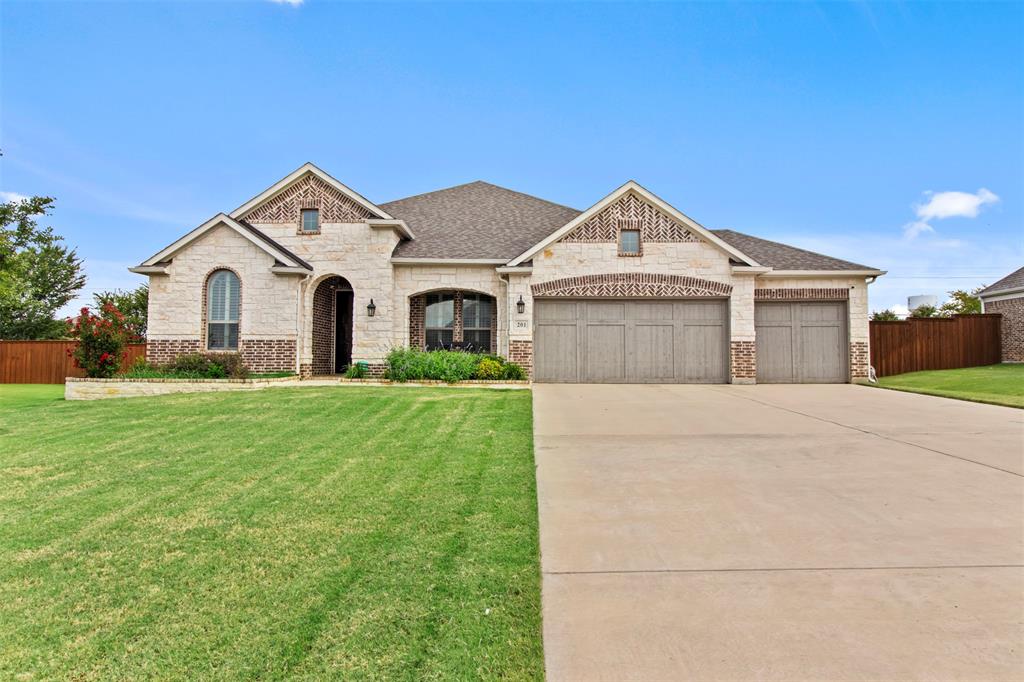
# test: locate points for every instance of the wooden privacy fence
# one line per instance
(917, 344)
(46, 362)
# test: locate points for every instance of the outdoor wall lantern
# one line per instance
(371, 309)
(521, 305)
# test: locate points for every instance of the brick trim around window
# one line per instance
(418, 318)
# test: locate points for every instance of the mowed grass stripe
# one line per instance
(291, 533)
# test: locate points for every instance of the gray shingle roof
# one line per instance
(479, 220)
(476, 220)
(1015, 280)
(782, 256)
(288, 252)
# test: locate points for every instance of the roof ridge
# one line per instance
(482, 182)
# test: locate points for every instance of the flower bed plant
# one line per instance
(101, 340)
(193, 366)
(412, 364)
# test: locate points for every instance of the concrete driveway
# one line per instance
(779, 532)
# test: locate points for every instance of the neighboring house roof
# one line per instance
(477, 220)
(782, 256)
(1011, 283)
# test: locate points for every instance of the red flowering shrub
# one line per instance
(101, 341)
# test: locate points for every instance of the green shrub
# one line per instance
(357, 371)
(489, 369)
(101, 339)
(513, 372)
(207, 366)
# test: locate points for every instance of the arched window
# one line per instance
(222, 302)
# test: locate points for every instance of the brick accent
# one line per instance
(306, 370)
(631, 284)
(418, 314)
(835, 294)
(631, 212)
(859, 360)
(743, 362)
(323, 329)
(309, 192)
(165, 350)
(268, 355)
(521, 353)
(1012, 310)
(417, 321)
(259, 355)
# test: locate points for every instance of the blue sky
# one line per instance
(891, 135)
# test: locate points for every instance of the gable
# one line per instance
(636, 206)
(631, 212)
(309, 191)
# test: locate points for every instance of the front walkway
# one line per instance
(778, 532)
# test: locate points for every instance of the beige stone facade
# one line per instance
(278, 314)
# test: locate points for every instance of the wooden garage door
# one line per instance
(801, 343)
(631, 341)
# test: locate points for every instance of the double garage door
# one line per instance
(631, 341)
(684, 341)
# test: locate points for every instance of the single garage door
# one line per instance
(631, 341)
(801, 343)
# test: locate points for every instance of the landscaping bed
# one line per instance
(314, 533)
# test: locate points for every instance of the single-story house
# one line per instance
(310, 276)
(1007, 297)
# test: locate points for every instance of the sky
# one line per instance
(891, 135)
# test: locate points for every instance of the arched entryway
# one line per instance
(332, 326)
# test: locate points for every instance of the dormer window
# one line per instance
(629, 242)
(310, 220)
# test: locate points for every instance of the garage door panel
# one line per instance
(801, 342)
(605, 353)
(775, 355)
(559, 360)
(819, 354)
(644, 341)
(703, 357)
(650, 310)
(654, 352)
(611, 311)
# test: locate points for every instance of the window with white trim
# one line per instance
(222, 305)
(310, 220)
(629, 242)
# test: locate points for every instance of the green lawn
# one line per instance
(306, 533)
(997, 384)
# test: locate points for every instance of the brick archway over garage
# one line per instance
(631, 285)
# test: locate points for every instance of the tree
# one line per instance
(924, 311)
(885, 316)
(133, 305)
(38, 274)
(962, 303)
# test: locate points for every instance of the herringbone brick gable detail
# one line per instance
(631, 284)
(309, 192)
(631, 213)
(833, 294)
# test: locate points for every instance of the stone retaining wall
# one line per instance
(101, 389)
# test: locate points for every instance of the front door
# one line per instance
(342, 330)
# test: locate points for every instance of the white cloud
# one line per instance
(954, 204)
(942, 205)
(914, 229)
(12, 196)
(293, 3)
